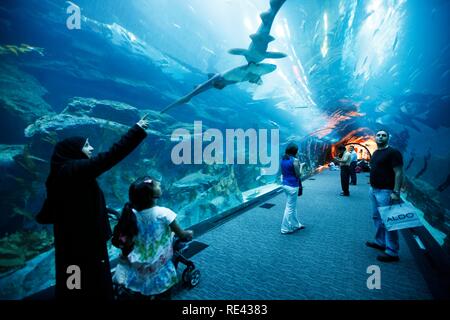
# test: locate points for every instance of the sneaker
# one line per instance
(345, 194)
(299, 228)
(375, 245)
(286, 232)
(387, 258)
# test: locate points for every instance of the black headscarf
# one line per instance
(66, 150)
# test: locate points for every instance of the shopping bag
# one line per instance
(400, 216)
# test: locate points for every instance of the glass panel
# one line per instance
(236, 88)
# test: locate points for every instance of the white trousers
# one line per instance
(290, 221)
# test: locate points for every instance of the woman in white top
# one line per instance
(146, 268)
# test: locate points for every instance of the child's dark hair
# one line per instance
(140, 196)
(125, 230)
(291, 151)
(141, 193)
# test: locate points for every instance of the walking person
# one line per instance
(386, 178)
(353, 163)
(291, 172)
(344, 160)
(75, 205)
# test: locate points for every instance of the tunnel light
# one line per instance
(248, 24)
(279, 31)
(373, 6)
(324, 49)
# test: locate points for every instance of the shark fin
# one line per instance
(275, 55)
(238, 52)
(258, 37)
(256, 80)
(266, 17)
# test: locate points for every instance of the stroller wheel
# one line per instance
(191, 277)
(195, 278)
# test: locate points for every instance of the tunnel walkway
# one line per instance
(248, 257)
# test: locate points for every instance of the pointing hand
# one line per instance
(144, 122)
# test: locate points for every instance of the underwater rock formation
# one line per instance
(426, 198)
(218, 192)
(96, 119)
(21, 102)
(103, 109)
(37, 275)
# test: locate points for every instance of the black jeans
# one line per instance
(353, 172)
(345, 179)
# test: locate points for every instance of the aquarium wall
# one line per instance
(94, 68)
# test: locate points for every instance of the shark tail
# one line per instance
(176, 103)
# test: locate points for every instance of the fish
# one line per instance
(274, 124)
(254, 55)
(365, 61)
(13, 49)
(24, 213)
(312, 69)
(392, 68)
(395, 42)
(23, 48)
(251, 72)
(257, 51)
(195, 179)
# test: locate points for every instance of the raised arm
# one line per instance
(104, 161)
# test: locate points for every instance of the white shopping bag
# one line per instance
(400, 216)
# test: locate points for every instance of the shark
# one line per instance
(253, 70)
(257, 51)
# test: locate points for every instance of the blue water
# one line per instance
(350, 68)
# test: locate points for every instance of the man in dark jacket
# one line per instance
(78, 209)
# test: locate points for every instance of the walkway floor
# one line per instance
(248, 257)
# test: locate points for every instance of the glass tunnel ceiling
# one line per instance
(352, 65)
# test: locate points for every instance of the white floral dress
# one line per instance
(149, 269)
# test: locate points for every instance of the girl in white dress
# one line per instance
(145, 268)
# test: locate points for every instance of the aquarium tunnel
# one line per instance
(226, 87)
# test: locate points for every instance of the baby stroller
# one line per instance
(190, 276)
